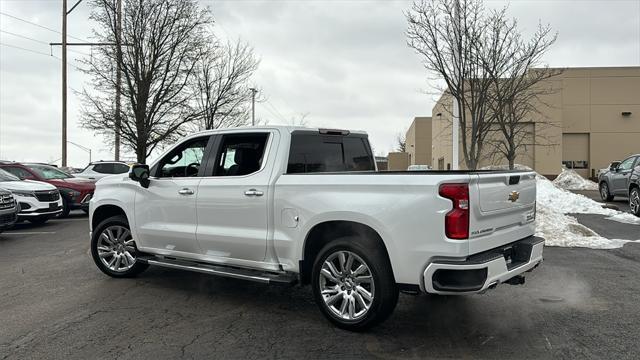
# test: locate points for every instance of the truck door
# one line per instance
(165, 212)
(233, 197)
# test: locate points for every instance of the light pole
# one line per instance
(81, 147)
(253, 105)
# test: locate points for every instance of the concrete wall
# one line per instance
(398, 161)
(418, 139)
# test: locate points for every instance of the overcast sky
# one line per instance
(344, 63)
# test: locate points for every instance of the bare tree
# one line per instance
(401, 143)
(518, 90)
(299, 120)
(221, 85)
(161, 42)
(449, 36)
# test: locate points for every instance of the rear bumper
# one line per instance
(481, 271)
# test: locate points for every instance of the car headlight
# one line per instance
(23, 193)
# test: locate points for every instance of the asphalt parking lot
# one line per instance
(55, 304)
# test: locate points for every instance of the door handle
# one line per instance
(253, 192)
(185, 191)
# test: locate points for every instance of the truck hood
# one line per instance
(26, 185)
(74, 183)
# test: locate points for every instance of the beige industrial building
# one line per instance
(591, 118)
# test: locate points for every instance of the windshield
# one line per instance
(49, 172)
(5, 176)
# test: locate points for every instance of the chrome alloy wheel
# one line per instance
(604, 191)
(634, 201)
(347, 286)
(116, 248)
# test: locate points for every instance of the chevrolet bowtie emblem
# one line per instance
(514, 196)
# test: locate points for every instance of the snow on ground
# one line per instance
(571, 180)
(559, 229)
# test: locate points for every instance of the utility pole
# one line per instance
(64, 45)
(253, 106)
(118, 77)
(64, 83)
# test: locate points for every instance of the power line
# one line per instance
(273, 113)
(24, 37)
(276, 110)
(38, 41)
(29, 50)
(38, 25)
(39, 53)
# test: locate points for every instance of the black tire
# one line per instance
(39, 220)
(119, 221)
(385, 295)
(605, 192)
(65, 208)
(86, 211)
(634, 201)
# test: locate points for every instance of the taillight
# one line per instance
(456, 221)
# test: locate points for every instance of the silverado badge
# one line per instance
(514, 196)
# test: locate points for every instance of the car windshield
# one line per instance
(5, 176)
(49, 172)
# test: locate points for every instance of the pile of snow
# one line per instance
(571, 180)
(566, 202)
(562, 230)
(559, 229)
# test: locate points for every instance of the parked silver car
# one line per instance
(623, 180)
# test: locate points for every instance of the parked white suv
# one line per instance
(285, 205)
(38, 201)
(99, 169)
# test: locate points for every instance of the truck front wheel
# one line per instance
(353, 283)
(114, 250)
(605, 194)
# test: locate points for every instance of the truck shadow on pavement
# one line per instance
(420, 325)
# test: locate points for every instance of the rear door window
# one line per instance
(240, 154)
(103, 168)
(312, 153)
(120, 168)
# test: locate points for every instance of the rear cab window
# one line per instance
(314, 152)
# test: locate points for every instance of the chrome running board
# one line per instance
(219, 270)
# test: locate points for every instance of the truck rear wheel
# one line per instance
(113, 249)
(353, 283)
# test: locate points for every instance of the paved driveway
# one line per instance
(55, 304)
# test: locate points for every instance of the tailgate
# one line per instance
(502, 209)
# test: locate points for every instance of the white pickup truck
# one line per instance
(287, 204)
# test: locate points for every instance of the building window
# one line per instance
(580, 164)
(441, 163)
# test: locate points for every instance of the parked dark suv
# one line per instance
(623, 180)
(75, 192)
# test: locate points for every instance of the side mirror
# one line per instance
(140, 173)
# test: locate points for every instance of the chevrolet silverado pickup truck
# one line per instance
(286, 205)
